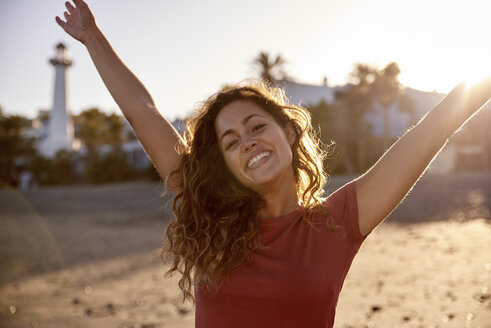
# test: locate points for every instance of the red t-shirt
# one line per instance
(296, 278)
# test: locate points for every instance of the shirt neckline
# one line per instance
(284, 218)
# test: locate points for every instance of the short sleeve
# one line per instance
(343, 206)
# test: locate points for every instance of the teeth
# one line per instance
(256, 158)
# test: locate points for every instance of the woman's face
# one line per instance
(256, 149)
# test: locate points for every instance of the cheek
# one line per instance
(289, 157)
(231, 162)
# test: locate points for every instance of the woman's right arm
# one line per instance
(156, 134)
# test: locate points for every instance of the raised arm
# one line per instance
(155, 133)
(384, 186)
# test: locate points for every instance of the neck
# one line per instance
(281, 199)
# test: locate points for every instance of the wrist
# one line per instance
(92, 36)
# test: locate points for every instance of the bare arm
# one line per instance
(384, 186)
(156, 134)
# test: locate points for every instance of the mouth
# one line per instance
(258, 159)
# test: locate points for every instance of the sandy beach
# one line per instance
(88, 256)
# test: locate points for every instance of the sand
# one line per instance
(89, 257)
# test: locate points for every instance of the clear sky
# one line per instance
(185, 50)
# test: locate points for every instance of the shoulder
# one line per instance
(343, 206)
(343, 200)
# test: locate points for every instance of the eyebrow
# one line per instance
(244, 122)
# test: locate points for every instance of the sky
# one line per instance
(184, 51)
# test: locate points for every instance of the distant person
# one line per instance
(25, 180)
(253, 236)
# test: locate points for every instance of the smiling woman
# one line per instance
(251, 171)
(256, 148)
(243, 146)
(252, 235)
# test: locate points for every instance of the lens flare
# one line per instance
(473, 77)
(473, 80)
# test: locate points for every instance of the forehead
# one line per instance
(232, 115)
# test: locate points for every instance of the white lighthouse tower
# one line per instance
(59, 132)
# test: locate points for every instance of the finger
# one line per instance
(60, 22)
(79, 3)
(69, 6)
(66, 15)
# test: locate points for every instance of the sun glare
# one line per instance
(474, 77)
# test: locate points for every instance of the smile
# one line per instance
(257, 158)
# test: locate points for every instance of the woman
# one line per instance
(253, 235)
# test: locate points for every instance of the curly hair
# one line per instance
(217, 226)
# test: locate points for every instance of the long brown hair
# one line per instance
(216, 226)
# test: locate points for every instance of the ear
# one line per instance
(290, 133)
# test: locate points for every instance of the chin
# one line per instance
(263, 180)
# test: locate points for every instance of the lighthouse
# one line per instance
(59, 132)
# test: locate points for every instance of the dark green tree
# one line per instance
(114, 130)
(63, 167)
(355, 102)
(42, 169)
(15, 148)
(326, 124)
(97, 129)
(91, 129)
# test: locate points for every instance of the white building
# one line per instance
(57, 132)
(399, 121)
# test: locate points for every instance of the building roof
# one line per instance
(308, 94)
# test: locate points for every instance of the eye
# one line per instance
(231, 144)
(258, 127)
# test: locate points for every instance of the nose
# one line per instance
(249, 144)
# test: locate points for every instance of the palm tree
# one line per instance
(270, 69)
(356, 102)
(386, 90)
(370, 86)
(363, 75)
